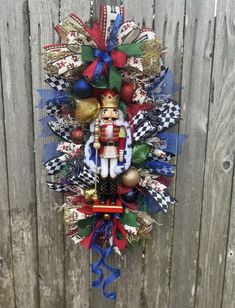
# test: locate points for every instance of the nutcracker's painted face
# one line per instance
(110, 114)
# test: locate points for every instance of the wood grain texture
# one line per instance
(140, 11)
(197, 62)
(219, 163)
(229, 277)
(77, 259)
(130, 285)
(15, 57)
(169, 22)
(6, 268)
(43, 15)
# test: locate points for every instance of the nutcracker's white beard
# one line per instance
(128, 151)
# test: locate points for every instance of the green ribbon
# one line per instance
(133, 49)
(129, 219)
(140, 153)
(115, 80)
(85, 226)
(87, 53)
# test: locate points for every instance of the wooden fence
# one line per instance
(190, 261)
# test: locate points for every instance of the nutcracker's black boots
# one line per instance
(113, 191)
(103, 190)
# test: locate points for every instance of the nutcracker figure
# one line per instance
(111, 137)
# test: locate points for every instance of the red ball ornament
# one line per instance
(127, 92)
(77, 135)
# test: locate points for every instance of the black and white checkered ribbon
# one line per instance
(85, 177)
(145, 124)
(52, 109)
(57, 83)
(163, 200)
(62, 130)
(170, 116)
(54, 165)
(58, 187)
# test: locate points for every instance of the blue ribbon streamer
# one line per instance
(111, 42)
(105, 227)
(104, 56)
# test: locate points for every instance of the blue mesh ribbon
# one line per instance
(51, 96)
(173, 142)
(161, 168)
(46, 131)
(105, 227)
(50, 151)
(163, 87)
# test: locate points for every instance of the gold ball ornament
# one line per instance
(86, 109)
(131, 177)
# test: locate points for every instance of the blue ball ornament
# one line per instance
(82, 88)
(131, 196)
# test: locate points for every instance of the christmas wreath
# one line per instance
(109, 107)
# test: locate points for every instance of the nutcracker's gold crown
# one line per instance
(109, 99)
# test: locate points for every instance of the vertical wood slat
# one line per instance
(130, 284)
(43, 15)
(77, 259)
(6, 269)
(169, 23)
(229, 277)
(219, 163)
(197, 61)
(16, 85)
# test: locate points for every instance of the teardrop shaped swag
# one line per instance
(90, 59)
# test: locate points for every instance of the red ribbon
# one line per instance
(120, 243)
(96, 35)
(119, 59)
(86, 242)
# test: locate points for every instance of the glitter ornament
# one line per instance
(131, 178)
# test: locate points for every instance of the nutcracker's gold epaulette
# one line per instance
(122, 132)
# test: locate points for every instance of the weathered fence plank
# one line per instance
(43, 15)
(169, 21)
(219, 163)
(229, 278)
(197, 62)
(130, 284)
(16, 85)
(6, 270)
(140, 11)
(77, 260)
